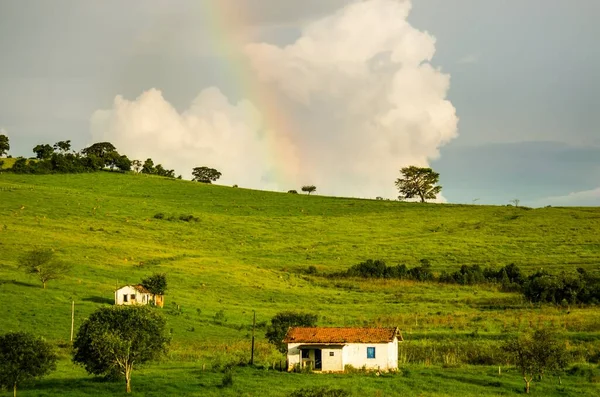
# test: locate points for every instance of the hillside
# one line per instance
(247, 250)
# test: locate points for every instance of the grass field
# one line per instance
(247, 251)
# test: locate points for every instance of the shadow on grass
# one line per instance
(20, 283)
(473, 381)
(99, 299)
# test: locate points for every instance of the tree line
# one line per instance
(539, 287)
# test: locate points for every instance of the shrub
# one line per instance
(227, 380)
(160, 215)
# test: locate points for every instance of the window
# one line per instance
(132, 297)
(331, 354)
(370, 352)
(305, 354)
(125, 298)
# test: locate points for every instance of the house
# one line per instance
(137, 295)
(331, 349)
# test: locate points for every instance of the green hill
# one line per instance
(242, 250)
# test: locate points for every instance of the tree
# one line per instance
(63, 146)
(23, 357)
(293, 191)
(535, 353)
(43, 152)
(119, 337)
(156, 283)
(148, 167)
(123, 163)
(41, 263)
(418, 182)
(136, 165)
(205, 174)
(4, 144)
(100, 149)
(309, 188)
(283, 321)
(515, 202)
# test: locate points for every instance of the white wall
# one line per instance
(140, 298)
(386, 355)
(355, 354)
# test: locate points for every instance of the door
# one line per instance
(318, 359)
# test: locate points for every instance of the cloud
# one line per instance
(586, 198)
(357, 94)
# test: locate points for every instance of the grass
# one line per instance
(246, 250)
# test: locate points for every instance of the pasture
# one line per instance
(240, 250)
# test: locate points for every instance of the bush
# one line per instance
(227, 380)
(188, 218)
(160, 215)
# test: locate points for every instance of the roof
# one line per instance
(340, 335)
(139, 287)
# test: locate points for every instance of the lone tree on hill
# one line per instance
(205, 174)
(284, 320)
(309, 188)
(418, 182)
(119, 337)
(23, 357)
(41, 264)
(4, 144)
(536, 353)
(43, 152)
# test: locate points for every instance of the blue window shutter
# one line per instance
(370, 352)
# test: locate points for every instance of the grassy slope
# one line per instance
(245, 251)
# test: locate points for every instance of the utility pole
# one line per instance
(72, 318)
(253, 326)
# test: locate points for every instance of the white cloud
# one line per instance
(358, 94)
(585, 198)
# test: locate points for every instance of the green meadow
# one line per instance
(247, 251)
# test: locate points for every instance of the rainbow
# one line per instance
(224, 18)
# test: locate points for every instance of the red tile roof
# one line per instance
(340, 335)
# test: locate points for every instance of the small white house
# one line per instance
(136, 295)
(331, 349)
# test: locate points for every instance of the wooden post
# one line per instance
(72, 318)
(253, 326)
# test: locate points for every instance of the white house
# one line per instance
(331, 349)
(136, 295)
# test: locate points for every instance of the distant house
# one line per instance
(331, 349)
(137, 295)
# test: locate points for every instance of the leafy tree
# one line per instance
(63, 146)
(41, 263)
(148, 167)
(309, 188)
(4, 144)
(156, 283)
(283, 321)
(535, 353)
(123, 163)
(116, 338)
(43, 152)
(205, 174)
(100, 149)
(136, 165)
(418, 182)
(23, 357)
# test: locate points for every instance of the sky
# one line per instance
(499, 97)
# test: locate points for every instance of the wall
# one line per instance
(386, 355)
(140, 298)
